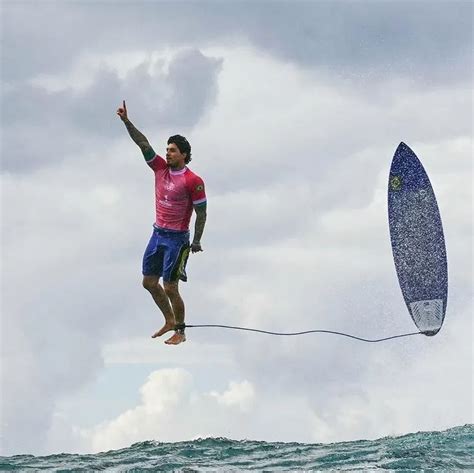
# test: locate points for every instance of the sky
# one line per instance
(293, 111)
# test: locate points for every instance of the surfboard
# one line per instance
(417, 238)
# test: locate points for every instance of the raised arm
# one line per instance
(138, 137)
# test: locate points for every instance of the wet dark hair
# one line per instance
(183, 145)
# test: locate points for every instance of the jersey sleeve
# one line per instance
(197, 190)
(156, 163)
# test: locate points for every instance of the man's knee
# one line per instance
(150, 283)
(171, 289)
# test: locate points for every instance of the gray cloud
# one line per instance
(429, 41)
(374, 39)
(41, 127)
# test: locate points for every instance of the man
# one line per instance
(177, 192)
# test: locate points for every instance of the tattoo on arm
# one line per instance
(140, 139)
(200, 222)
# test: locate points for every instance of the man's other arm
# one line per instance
(201, 215)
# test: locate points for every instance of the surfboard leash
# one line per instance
(289, 334)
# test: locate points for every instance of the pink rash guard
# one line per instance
(175, 194)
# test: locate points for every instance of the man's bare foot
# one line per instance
(166, 328)
(176, 339)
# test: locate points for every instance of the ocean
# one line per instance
(449, 450)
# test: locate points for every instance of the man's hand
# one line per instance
(122, 112)
(137, 136)
(195, 247)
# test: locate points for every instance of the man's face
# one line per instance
(174, 157)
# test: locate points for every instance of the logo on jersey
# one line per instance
(199, 187)
(169, 186)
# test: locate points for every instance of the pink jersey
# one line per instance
(175, 194)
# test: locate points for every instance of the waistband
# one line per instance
(169, 231)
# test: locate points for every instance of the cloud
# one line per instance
(370, 41)
(169, 408)
(239, 394)
(362, 40)
(45, 126)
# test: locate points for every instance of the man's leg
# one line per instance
(172, 291)
(152, 285)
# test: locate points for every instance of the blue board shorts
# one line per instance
(166, 255)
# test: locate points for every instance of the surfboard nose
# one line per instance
(403, 152)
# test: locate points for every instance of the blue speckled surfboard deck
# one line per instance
(418, 245)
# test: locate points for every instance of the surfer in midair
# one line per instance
(178, 191)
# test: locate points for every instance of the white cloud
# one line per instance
(170, 408)
(239, 394)
(161, 397)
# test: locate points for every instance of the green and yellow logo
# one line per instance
(395, 183)
(200, 187)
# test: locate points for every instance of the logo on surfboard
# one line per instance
(395, 183)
